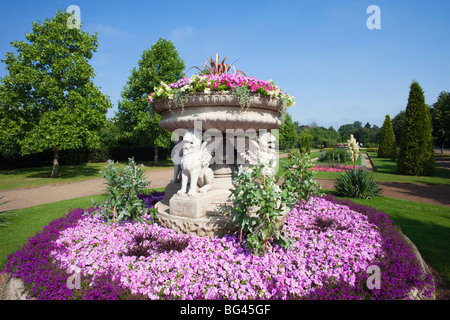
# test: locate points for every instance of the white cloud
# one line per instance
(180, 33)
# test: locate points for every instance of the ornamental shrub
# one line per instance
(305, 146)
(357, 183)
(124, 185)
(334, 156)
(416, 147)
(257, 209)
(299, 183)
(387, 139)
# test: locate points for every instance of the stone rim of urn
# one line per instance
(219, 111)
(200, 212)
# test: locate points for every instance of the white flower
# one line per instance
(207, 90)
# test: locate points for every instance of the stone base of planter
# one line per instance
(201, 214)
(211, 224)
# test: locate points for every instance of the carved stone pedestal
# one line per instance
(200, 214)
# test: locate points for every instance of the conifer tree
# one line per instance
(387, 139)
(416, 148)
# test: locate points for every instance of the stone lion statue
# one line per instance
(194, 166)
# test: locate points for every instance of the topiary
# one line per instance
(416, 147)
(387, 139)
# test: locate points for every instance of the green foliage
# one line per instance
(319, 136)
(257, 208)
(244, 96)
(288, 132)
(334, 156)
(397, 125)
(416, 148)
(48, 99)
(137, 124)
(440, 115)
(305, 146)
(123, 186)
(299, 180)
(368, 134)
(357, 183)
(387, 139)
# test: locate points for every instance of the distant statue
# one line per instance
(194, 166)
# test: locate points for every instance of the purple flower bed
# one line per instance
(336, 241)
(152, 199)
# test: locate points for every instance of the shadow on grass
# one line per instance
(69, 172)
(427, 226)
(83, 170)
(432, 241)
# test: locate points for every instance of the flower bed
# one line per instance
(333, 167)
(239, 84)
(335, 242)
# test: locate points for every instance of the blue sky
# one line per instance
(321, 52)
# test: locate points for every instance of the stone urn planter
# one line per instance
(220, 110)
(245, 107)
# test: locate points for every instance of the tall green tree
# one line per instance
(48, 99)
(416, 147)
(397, 125)
(305, 146)
(387, 139)
(136, 124)
(288, 133)
(440, 114)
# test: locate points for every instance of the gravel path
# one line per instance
(28, 197)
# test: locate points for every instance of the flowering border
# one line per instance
(45, 279)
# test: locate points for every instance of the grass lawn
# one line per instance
(25, 223)
(387, 171)
(33, 177)
(428, 227)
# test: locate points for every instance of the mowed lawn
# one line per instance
(386, 170)
(33, 177)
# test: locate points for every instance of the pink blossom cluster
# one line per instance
(223, 82)
(333, 168)
(230, 80)
(217, 268)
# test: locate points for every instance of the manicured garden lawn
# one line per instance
(25, 223)
(33, 177)
(428, 227)
(387, 171)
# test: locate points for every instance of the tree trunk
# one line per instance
(155, 158)
(55, 167)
